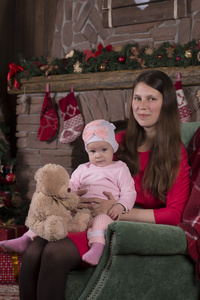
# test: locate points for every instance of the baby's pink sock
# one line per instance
(16, 245)
(93, 255)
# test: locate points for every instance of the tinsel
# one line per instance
(166, 55)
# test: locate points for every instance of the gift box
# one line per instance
(8, 232)
(10, 263)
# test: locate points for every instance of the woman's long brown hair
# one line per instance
(165, 153)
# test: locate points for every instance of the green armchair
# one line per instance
(140, 261)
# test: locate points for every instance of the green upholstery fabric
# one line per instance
(140, 261)
(187, 131)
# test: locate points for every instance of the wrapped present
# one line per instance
(8, 232)
(10, 263)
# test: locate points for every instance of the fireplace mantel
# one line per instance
(190, 76)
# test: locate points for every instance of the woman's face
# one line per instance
(146, 105)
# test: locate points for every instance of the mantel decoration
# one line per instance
(105, 59)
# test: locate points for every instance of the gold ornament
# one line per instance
(188, 53)
(135, 55)
(77, 67)
(170, 52)
(149, 50)
(102, 67)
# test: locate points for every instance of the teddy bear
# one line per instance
(53, 210)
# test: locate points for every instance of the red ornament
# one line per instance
(159, 55)
(122, 59)
(10, 177)
(178, 58)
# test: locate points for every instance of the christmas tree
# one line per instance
(10, 196)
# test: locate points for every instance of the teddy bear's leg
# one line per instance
(80, 221)
(19, 244)
(55, 228)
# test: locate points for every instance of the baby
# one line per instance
(101, 174)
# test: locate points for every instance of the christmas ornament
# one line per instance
(16, 199)
(198, 56)
(70, 54)
(49, 68)
(135, 55)
(102, 67)
(184, 109)
(10, 177)
(77, 67)
(48, 119)
(159, 56)
(72, 118)
(122, 59)
(188, 53)
(178, 58)
(149, 50)
(170, 51)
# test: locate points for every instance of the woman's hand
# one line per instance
(97, 205)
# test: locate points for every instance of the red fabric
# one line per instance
(48, 120)
(72, 119)
(191, 216)
(81, 242)
(171, 213)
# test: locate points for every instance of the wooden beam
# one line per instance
(101, 80)
(131, 13)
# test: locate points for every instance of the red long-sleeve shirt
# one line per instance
(171, 212)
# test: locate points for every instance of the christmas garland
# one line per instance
(106, 59)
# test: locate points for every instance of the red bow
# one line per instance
(100, 47)
(13, 71)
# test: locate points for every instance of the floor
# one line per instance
(9, 292)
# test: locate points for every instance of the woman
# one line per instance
(152, 149)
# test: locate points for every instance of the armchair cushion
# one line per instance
(147, 239)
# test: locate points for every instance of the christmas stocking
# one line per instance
(48, 119)
(72, 118)
(184, 109)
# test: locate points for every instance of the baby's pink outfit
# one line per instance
(114, 178)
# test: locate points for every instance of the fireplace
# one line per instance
(104, 95)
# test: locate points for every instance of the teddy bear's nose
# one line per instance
(69, 190)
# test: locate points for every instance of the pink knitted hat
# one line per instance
(98, 131)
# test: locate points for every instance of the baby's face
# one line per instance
(100, 153)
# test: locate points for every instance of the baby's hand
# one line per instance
(116, 211)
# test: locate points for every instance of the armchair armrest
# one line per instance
(146, 239)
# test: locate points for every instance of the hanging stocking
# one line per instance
(184, 109)
(48, 119)
(72, 118)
